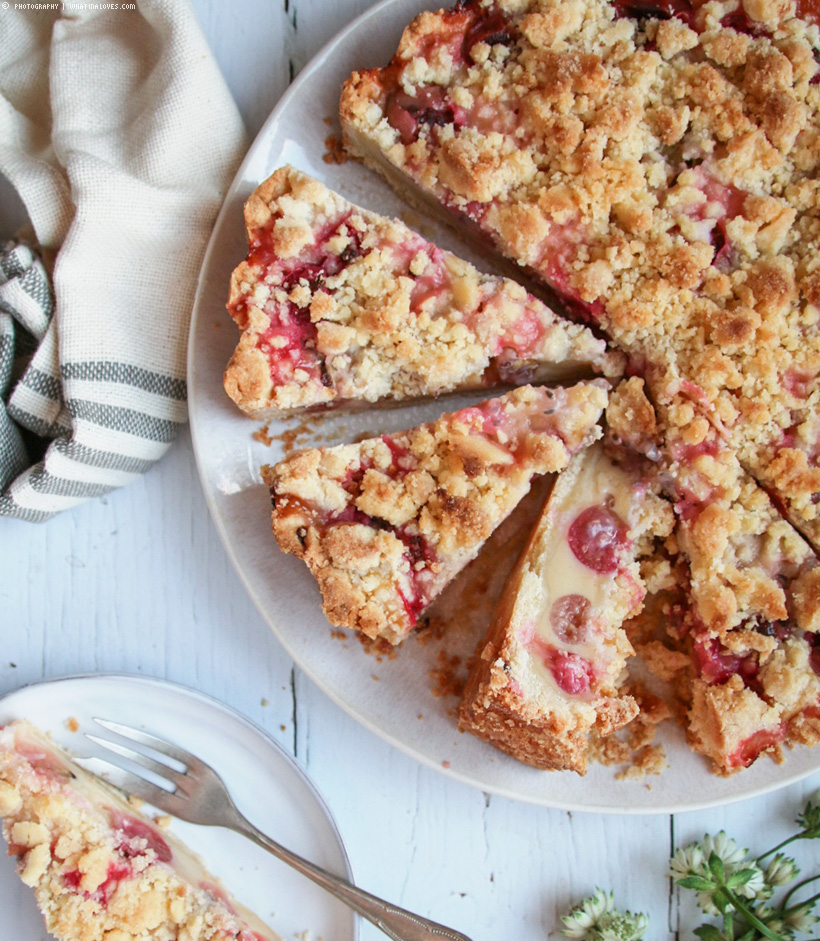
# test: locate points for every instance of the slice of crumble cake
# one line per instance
(550, 670)
(385, 524)
(655, 167)
(340, 307)
(748, 604)
(100, 870)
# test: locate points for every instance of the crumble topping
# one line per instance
(384, 524)
(745, 607)
(339, 305)
(746, 564)
(658, 174)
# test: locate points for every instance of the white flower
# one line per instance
(801, 919)
(756, 886)
(624, 927)
(585, 916)
(688, 861)
(781, 870)
(597, 919)
(726, 849)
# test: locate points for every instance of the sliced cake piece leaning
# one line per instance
(549, 672)
(340, 307)
(385, 524)
(100, 869)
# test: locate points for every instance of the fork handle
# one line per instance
(395, 922)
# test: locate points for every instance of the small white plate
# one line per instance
(388, 696)
(265, 782)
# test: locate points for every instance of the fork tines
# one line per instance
(162, 795)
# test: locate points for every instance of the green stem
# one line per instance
(791, 839)
(796, 888)
(749, 915)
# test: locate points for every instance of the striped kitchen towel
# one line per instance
(118, 133)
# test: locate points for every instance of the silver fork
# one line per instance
(199, 795)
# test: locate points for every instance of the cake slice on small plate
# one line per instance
(549, 672)
(340, 307)
(386, 523)
(100, 869)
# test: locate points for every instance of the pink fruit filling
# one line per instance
(657, 9)
(572, 673)
(47, 765)
(557, 257)
(716, 664)
(814, 654)
(569, 618)
(418, 553)
(290, 340)
(402, 459)
(430, 283)
(688, 453)
(420, 556)
(796, 381)
(751, 747)
(731, 200)
(739, 20)
(792, 438)
(492, 28)
(115, 874)
(809, 10)
(522, 338)
(135, 837)
(598, 538)
(429, 107)
(490, 418)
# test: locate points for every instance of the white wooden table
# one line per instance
(138, 582)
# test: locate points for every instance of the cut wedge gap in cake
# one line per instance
(385, 524)
(548, 676)
(342, 308)
(98, 867)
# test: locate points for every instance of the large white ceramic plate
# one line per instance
(387, 696)
(266, 783)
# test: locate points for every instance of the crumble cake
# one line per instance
(339, 306)
(385, 524)
(747, 590)
(550, 671)
(100, 870)
(655, 166)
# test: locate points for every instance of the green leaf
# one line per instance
(741, 877)
(716, 867)
(722, 901)
(709, 933)
(699, 883)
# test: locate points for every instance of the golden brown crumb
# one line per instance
(263, 436)
(335, 151)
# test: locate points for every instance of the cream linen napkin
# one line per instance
(120, 136)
